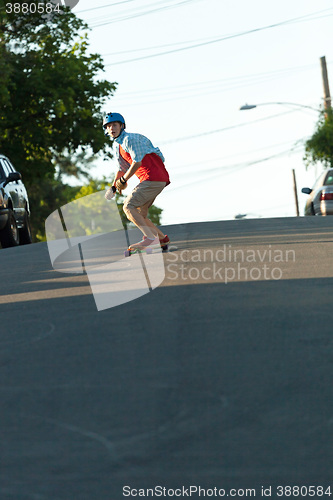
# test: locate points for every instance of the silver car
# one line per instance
(320, 200)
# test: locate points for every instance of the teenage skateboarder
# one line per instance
(137, 155)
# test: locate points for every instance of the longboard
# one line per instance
(150, 250)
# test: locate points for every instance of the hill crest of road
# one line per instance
(207, 252)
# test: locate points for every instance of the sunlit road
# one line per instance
(220, 378)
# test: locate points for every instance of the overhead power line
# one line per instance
(183, 168)
(211, 132)
(105, 6)
(222, 38)
(96, 23)
(142, 49)
(231, 169)
(196, 89)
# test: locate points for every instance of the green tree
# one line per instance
(50, 103)
(319, 148)
(48, 195)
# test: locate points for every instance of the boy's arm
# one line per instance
(119, 174)
(122, 182)
(131, 171)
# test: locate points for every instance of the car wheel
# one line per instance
(9, 236)
(25, 231)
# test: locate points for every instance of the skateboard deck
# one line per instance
(149, 250)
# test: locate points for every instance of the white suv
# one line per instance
(14, 207)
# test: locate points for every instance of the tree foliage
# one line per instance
(50, 108)
(50, 102)
(319, 148)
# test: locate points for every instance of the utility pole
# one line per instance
(295, 192)
(327, 95)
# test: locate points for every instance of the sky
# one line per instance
(185, 67)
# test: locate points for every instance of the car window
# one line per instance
(5, 167)
(320, 181)
(12, 169)
(2, 172)
(329, 179)
(9, 165)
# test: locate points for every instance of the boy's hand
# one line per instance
(110, 193)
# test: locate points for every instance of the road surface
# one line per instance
(219, 378)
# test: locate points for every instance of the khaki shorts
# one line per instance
(143, 196)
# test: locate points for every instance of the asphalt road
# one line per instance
(219, 378)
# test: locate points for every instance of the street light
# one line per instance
(245, 107)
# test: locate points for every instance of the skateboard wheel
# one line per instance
(127, 253)
(164, 248)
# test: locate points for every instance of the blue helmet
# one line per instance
(113, 117)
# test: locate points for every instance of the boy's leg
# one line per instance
(145, 225)
(144, 212)
(157, 232)
(136, 207)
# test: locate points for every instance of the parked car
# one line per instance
(320, 200)
(14, 207)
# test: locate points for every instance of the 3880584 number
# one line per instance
(303, 491)
(32, 8)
